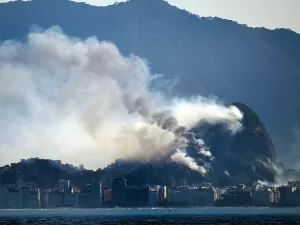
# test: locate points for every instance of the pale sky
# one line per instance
(256, 13)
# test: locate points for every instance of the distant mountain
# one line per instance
(207, 56)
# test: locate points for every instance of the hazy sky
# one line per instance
(266, 13)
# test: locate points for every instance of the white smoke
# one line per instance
(206, 153)
(182, 158)
(199, 142)
(281, 178)
(226, 173)
(201, 110)
(82, 102)
(291, 156)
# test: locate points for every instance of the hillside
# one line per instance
(243, 158)
(207, 56)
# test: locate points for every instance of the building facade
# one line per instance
(261, 197)
(53, 199)
(96, 191)
(3, 199)
(107, 196)
(30, 198)
(14, 199)
(119, 186)
(153, 197)
(187, 196)
(137, 196)
(162, 195)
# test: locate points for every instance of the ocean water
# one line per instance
(224, 216)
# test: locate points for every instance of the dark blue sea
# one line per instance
(224, 216)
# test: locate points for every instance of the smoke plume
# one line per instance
(291, 156)
(83, 102)
(182, 158)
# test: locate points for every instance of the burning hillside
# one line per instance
(85, 103)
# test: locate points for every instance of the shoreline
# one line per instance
(151, 212)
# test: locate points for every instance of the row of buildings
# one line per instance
(287, 195)
(95, 195)
(28, 196)
(133, 196)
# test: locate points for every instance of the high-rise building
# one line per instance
(137, 196)
(119, 191)
(85, 200)
(261, 197)
(30, 198)
(103, 189)
(107, 196)
(3, 199)
(96, 194)
(86, 197)
(153, 197)
(187, 196)
(14, 199)
(290, 195)
(235, 197)
(41, 198)
(178, 196)
(285, 194)
(162, 195)
(54, 199)
(70, 198)
(275, 196)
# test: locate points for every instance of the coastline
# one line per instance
(124, 212)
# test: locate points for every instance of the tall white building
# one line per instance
(41, 198)
(162, 194)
